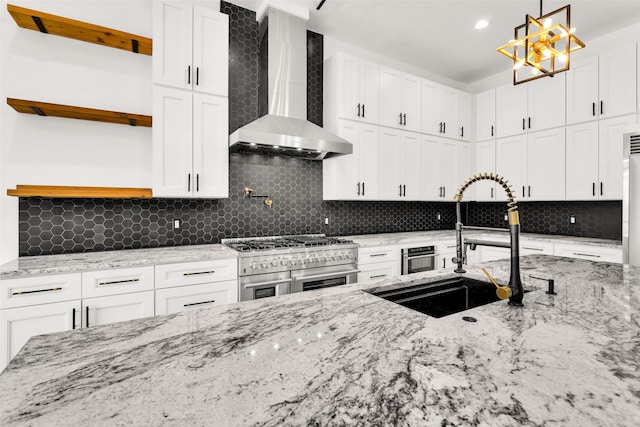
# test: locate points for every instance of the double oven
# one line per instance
(282, 265)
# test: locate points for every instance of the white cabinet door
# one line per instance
(210, 51)
(368, 165)
(430, 111)
(116, 281)
(464, 116)
(172, 142)
(485, 162)
(411, 101)
(391, 82)
(485, 115)
(511, 110)
(409, 166)
(195, 273)
(340, 174)
(582, 91)
(592, 253)
(618, 81)
(465, 169)
(117, 308)
(369, 92)
(447, 167)
(546, 103)
(24, 291)
(377, 271)
(210, 146)
(582, 162)
(546, 165)
(348, 87)
(430, 187)
(611, 155)
(174, 300)
(448, 105)
(511, 164)
(389, 184)
(172, 44)
(17, 325)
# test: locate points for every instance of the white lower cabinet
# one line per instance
(592, 253)
(17, 325)
(377, 271)
(174, 300)
(528, 247)
(117, 308)
(377, 263)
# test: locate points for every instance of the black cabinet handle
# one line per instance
(358, 189)
(594, 188)
(601, 107)
(593, 108)
(197, 182)
(529, 122)
(444, 127)
(359, 111)
(188, 182)
(87, 321)
(462, 132)
(405, 119)
(404, 190)
(362, 110)
(601, 189)
(363, 188)
(197, 76)
(439, 191)
(492, 193)
(523, 191)
(73, 318)
(400, 190)
(440, 131)
(189, 74)
(529, 191)
(400, 122)
(491, 130)
(523, 123)
(444, 192)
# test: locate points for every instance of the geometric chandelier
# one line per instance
(542, 46)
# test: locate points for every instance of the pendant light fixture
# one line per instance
(542, 46)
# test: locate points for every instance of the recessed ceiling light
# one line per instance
(483, 23)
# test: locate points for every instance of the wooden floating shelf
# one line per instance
(71, 112)
(80, 192)
(70, 28)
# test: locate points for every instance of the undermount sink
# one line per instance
(443, 297)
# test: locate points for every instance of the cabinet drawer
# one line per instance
(39, 290)
(174, 300)
(117, 281)
(377, 254)
(447, 247)
(529, 247)
(194, 273)
(592, 253)
(377, 271)
(117, 308)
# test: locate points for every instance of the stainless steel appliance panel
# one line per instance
(323, 277)
(264, 285)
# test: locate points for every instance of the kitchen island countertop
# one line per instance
(341, 356)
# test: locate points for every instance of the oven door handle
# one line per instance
(261, 284)
(420, 256)
(326, 275)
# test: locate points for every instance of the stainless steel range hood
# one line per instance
(282, 97)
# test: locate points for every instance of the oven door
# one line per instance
(418, 262)
(323, 277)
(264, 285)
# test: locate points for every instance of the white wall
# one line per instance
(55, 151)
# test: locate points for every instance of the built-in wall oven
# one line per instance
(419, 259)
(323, 277)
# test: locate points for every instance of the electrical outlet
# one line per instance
(506, 217)
(572, 219)
(176, 224)
(326, 220)
(438, 217)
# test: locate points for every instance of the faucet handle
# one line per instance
(503, 292)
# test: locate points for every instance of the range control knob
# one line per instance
(284, 262)
(274, 263)
(303, 261)
(253, 265)
(264, 264)
(294, 261)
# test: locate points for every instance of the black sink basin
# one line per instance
(444, 297)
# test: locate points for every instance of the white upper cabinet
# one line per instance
(604, 86)
(582, 162)
(399, 162)
(511, 164)
(485, 162)
(353, 176)
(485, 126)
(352, 89)
(438, 168)
(530, 107)
(610, 154)
(190, 47)
(190, 148)
(464, 129)
(439, 110)
(399, 99)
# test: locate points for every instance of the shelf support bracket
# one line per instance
(39, 24)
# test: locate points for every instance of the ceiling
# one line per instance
(439, 36)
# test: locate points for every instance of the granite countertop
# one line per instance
(65, 263)
(369, 240)
(341, 356)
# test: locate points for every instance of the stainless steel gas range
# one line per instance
(270, 266)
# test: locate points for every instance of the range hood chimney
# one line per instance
(282, 128)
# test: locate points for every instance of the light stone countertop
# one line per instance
(341, 356)
(371, 240)
(68, 263)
